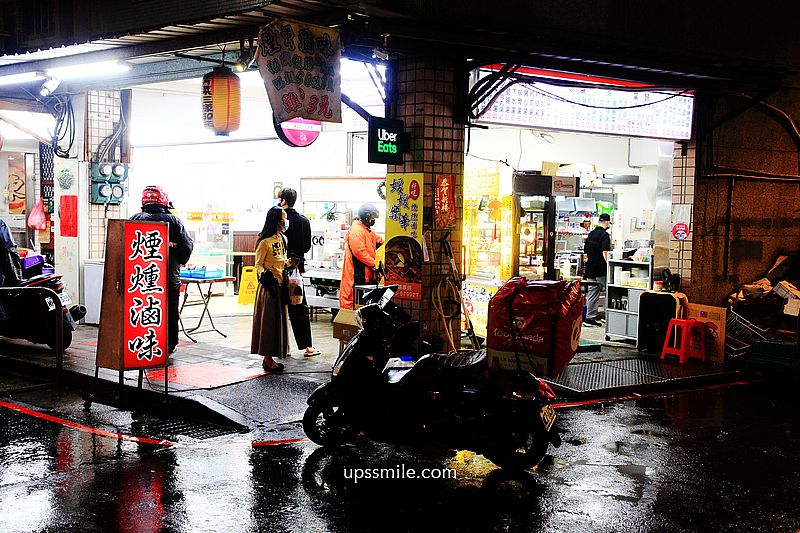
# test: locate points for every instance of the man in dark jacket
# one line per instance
(298, 243)
(596, 248)
(156, 208)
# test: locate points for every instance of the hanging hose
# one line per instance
(452, 302)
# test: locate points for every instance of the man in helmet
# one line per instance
(359, 254)
(156, 208)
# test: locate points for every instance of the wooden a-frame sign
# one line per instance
(134, 312)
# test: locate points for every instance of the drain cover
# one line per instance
(172, 429)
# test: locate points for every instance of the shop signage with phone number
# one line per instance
(404, 234)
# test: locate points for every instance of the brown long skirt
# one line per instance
(270, 331)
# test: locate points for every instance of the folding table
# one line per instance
(205, 298)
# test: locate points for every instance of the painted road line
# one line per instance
(261, 443)
(616, 399)
(80, 427)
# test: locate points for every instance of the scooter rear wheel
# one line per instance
(323, 423)
(66, 339)
(527, 448)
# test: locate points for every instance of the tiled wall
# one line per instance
(683, 171)
(425, 103)
(103, 111)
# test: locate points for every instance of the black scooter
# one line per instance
(28, 314)
(448, 400)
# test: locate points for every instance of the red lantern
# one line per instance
(221, 101)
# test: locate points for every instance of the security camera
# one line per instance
(380, 53)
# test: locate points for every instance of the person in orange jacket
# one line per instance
(359, 255)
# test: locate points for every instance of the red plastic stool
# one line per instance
(690, 340)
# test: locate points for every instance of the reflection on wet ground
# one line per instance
(715, 461)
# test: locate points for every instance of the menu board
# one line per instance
(658, 114)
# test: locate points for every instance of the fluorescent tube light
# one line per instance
(13, 79)
(89, 70)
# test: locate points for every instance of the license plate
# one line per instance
(548, 415)
(65, 299)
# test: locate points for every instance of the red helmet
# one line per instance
(153, 194)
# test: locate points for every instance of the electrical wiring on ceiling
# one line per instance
(64, 129)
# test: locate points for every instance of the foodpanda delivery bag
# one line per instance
(534, 325)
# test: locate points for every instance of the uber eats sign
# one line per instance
(387, 142)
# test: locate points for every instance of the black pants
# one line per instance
(173, 298)
(298, 316)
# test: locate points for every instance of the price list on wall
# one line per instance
(661, 114)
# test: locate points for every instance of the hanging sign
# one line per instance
(299, 64)
(145, 294)
(403, 248)
(298, 132)
(386, 141)
(444, 203)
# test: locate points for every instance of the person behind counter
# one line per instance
(359, 255)
(596, 248)
(156, 208)
(298, 243)
(270, 336)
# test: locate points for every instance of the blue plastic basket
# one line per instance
(206, 274)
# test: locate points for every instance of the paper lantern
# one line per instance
(221, 101)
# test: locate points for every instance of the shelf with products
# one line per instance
(627, 280)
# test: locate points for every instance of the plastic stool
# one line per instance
(690, 339)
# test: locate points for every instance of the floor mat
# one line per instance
(206, 375)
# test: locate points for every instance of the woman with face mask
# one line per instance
(270, 332)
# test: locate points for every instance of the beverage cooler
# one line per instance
(513, 235)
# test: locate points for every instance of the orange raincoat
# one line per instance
(359, 261)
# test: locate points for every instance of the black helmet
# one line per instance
(367, 213)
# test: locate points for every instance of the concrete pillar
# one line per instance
(426, 103)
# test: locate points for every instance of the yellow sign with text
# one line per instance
(403, 248)
(248, 286)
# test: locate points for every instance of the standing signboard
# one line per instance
(403, 248)
(299, 64)
(134, 313)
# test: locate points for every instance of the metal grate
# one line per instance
(584, 378)
(172, 429)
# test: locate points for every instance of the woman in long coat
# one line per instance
(270, 331)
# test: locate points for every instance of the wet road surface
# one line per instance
(719, 460)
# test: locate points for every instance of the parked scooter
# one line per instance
(449, 400)
(28, 314)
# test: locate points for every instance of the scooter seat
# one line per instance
(465, 367)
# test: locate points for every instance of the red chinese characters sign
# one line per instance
(299, 64)
(444, 203)
(145, 295)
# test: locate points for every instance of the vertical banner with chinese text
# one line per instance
(299, 64)
(444, 202)
(146, 249)
(404, 234)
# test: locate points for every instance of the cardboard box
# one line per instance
(715, 318)
(344, 325)
(792, 307)
(784, 289)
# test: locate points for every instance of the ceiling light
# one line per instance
(89, 70)
(12, 79)
(49, 85)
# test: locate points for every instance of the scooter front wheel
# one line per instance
(324, 423)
